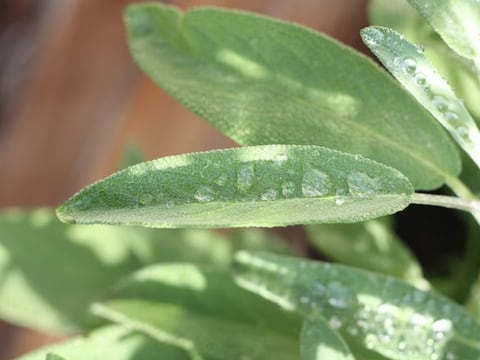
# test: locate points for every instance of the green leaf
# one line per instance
(205, 290)
(110, 343)
(372, 312)
(56, 270)
(318, 341)
(202, 311)
(51, 356)
(460, 74)
(473, 304)
(457, 22)
(267, 186)
(408, 64)
(263, 81)
(371, 245)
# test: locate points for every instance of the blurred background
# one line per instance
(71, 100)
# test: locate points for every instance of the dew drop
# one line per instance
(420, 79)
(374, 37)
(463, 132)
(440, 103)
(451, 118)
(204, 194)
(269, 195)
(315, 183)
(339, 201)
(245, 177)
(145, 199)
(340, 297)
(279, 158)
(409, 65)
(288, 189)
(335, 322)
(221, 180)
(362, 185)
(170, 204)
(442, 325)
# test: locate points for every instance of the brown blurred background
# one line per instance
(71, 99)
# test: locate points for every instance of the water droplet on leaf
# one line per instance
(409, 65)
(204, 194)
(288, 189)
(420, 79)
(440, 103)
(145, 199)
(268, 195)
(315, 183)
(245, 177)
(374, 37)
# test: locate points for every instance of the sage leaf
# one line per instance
(56, 270)
(457, 22)
(109, 343)
(373, 312)
(370, 245)
(271, 185)
(319, 341)
(263, 81)
(202, 310)
(410, 66)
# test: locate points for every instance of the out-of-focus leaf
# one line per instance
(474, 300)
(457, 22)
(203, 309)
(370, 245)
(263, 81)
(50, 272)
(460, 74)
(271, 185)
(109, 343)
(54, 357)
(372, 312)
(319, 341)
(409, 65)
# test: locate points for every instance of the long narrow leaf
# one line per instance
(373, 312)
(410, 66)
(268, 185)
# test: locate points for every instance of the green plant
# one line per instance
(329, 138)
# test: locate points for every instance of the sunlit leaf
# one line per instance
(372, 312)
(109, 343)
(410, 66)
(55, 270)
(263, 81)
(268, 185)
(201, 310)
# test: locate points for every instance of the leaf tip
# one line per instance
(64, 215)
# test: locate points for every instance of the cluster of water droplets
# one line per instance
(394, 331)
(246, 185)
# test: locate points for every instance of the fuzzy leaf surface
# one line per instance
(372, 312)
(271, 185)
(457, 22)
(263, 81)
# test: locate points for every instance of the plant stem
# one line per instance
(459, 188)
(472, 206)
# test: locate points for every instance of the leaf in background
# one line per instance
(202, 310)
(271, 185)
(132, 155)
(460, 74)
(263, 81)
(318, 341)
(54, 357)
(413, 70)
(371, 245)
(372, 312)
(457, 22)
(56, 270)
(110, 343)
